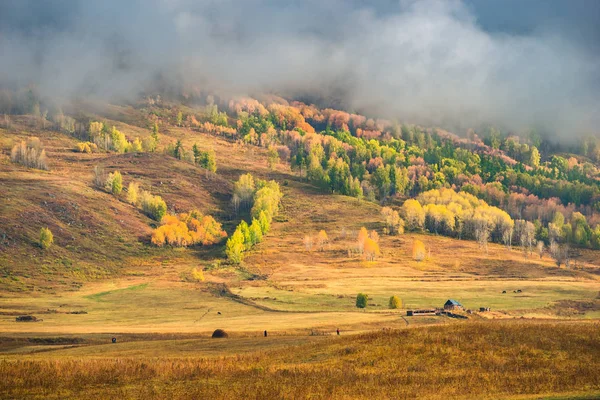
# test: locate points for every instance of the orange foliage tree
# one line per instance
(418, 250)
(363, 235)
(188, 229)
(322, 239)
(371, 249)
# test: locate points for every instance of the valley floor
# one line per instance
(462, 360)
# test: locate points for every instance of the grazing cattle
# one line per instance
(27, 318)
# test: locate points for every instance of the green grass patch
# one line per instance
(99, 296)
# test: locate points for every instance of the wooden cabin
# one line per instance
(453, 305)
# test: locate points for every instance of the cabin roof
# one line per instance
(453, 302)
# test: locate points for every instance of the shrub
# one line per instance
(395, 302)
(198, 275)
(46, 238)
(361, 300)
(86, 147)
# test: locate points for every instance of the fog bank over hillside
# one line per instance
(430, 62)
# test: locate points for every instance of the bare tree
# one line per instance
(567, 255)
(540, 248)
(308, 242)
(525, 232)
(99, 176)
(560, 253)
(235, 201)
(529, 234)
(507, 238)
(482, 233)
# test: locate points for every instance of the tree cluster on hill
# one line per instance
(394, 225)
(86, 147)
(209, 120)
(114, 183)
(188, 229)
(265, 198)
(111, 183)
(463, 215)
(378, 159)
(204, 159)
(111, 139)
(321, 240)
(153, 206)
(528, 176)
(367, 244)
(243, 192)
(30, 153)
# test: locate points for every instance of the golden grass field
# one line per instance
(491, 360)
(101, 278)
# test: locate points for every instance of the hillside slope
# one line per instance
(99, 236)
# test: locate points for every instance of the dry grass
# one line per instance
(468, 360)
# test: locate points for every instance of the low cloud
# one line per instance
(427, 62)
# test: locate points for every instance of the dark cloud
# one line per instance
(460, 64)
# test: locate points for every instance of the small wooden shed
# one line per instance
(453, 305)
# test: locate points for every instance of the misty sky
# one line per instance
(514, 63)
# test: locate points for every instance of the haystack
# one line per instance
(219, 333)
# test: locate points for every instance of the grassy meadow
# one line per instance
(501, 359)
